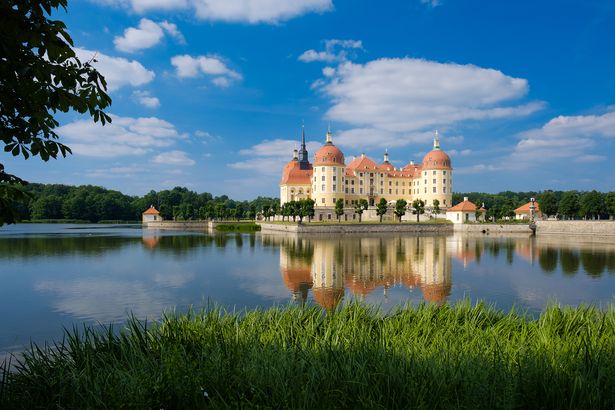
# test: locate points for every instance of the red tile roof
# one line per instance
(465, 206)
(151, 211)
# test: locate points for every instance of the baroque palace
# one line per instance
(329, 178)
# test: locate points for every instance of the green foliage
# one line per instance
(591, 204)
(609, 203)
(428, 356)
(436, 207)
(339, 208)
(238, 227)
(547, 202)
(382, 208)
(569, 204)
(400, 208)
(39, 76)
(360, 206)
(418, 206)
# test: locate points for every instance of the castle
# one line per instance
(328, 178)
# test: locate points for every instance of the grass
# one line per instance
(238, 227)
(460, 356)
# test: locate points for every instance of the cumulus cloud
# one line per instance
(243, 11)
(269, 156)
(335, 51)
(187, 66)
(565, 137)
(174, 157)
(118, 72)
(406, 96)
(148, 34)
(125, 136)
(146, 99)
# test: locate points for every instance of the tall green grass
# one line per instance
(460, 356)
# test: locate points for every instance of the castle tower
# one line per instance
(435, 181)
(304, 161)
(329, 174)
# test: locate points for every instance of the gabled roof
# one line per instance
(294, 175)
(151, 211)
(526, 208)
(362, 163)
(465, 206)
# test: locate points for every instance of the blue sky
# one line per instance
(211, 94)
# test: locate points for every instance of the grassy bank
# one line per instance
(427, 357)
(238, 227)
(439, 221)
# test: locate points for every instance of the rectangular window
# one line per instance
(346, 182)
(434, 172)
(425, 173)
(403, 192)
(323, 169)
(361, 190)
(444, 172)
(371, 174)
(381, 191)
(425, 182)
(361, 182)
(434, 181)
(444, 182)
(334, 188)
(381, 182)
(444, 190)
(396, 191)
(334, 178)
(425, 189)
(360, 174)
(322, 189)
(390, 183)
(322, 178)
(346, 190)
(352, 182)
(333, 201)
(434, 190)
(322, 200)
(390, 191)
(371, 181)
(352, 190)
(334, 169)
(396, 183)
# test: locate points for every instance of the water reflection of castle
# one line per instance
(329, 266)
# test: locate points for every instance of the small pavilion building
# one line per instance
(151, 215)
(523, 212)
(462, 212)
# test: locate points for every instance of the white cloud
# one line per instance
(406, 96)
(242, 11)
(147, 35)
(125, 136)
(115, 172)
(269, 156)
(146, 99)
(372, 137)
(335, 51)
(189, 67)
(590, 158)
(174, 157)
(118, 72)
(328, 71)
(565, 137)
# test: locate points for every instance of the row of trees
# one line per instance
(93, 203)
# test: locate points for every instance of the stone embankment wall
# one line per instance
(357, 228)
(188, 225)
(492, 228)
(573, 228)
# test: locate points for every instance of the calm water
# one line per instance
(58, 275)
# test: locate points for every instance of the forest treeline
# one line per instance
(94, 204)
(563, 204)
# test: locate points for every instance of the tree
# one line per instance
(360, 206)
(305, 209)
(609, 203)
(419, 208)
(339, 208)
(547, 203)
(266, 209)
(400, 208)
(39, 76)
(436, 207)
(591, 204)
(569, 204)
(382, 208)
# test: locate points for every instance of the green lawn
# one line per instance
(355, 357)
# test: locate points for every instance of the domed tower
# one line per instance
(329, 172)
(436, 177)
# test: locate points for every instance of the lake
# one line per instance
(56, 276)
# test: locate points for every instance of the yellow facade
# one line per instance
(331, 178)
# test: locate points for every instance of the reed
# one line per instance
(461, 356)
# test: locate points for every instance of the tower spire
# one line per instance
(304, 162)
(329, 135)
(386, 155)
(436, 141)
